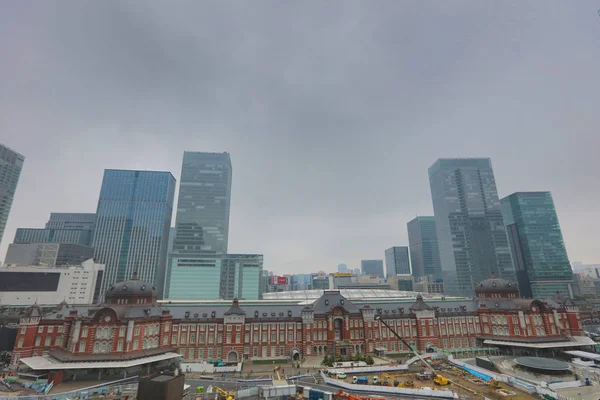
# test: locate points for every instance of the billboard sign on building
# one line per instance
(279, 280)
(338, 274)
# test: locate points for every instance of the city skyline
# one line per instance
(331, 129)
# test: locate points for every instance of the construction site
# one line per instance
(441, 376)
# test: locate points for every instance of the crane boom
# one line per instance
(414, 350)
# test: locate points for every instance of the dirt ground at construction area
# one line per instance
(467, 386)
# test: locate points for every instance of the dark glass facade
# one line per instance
(537, 244)
(424, 250)
(51, 235)
(29, 281)
(397, 261)
(471, 235)
(132, 225)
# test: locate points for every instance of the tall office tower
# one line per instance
(342, 268)
(202, 222)
(471, 235)
(372, 267)
(537, 245)
(132, 225)
(424, 250)
(11, 164)
(241, 276)
(397, 261)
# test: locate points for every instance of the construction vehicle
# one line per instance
(223, 395)
(407, 384)
(362, 380)
(386, 379)
(440, 380)
(425, 376)
(428, 367)
(493, 383)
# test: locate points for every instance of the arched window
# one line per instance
(20, 344)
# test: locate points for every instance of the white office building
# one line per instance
(49, 285)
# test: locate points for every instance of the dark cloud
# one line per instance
(332, 112)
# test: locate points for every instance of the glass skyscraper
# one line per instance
(241, 276)
(202, 222)
(372, 267)
(471, 236)
(33, 235)
(82, 221)
(537, 245)
(194, 278)
(133, 219)
(424, 250)
(11, 164)
(397, 261)
(61, 228)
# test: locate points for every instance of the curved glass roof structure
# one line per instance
(350, 294)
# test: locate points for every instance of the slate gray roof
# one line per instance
(496, 284)
(330, 299)
(205, 312)
(420, 305)
(235, 310)
(131, 288)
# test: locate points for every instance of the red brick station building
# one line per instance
(131, 329)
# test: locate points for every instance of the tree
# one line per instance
(369, 360)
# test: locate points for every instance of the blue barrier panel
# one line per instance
(477, 374)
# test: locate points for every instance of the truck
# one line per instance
(362, 380)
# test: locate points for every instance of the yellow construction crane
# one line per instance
(276, 371)
(225, 395)
(438, 379)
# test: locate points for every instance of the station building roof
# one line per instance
(547, 364)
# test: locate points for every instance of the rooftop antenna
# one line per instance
(134, 275)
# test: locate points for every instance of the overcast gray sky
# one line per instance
(332, 110)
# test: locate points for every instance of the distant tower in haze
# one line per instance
(202, 221)
(424, 250)
(11, 164)
(470, 229)
(342, 268)
(372, 267)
